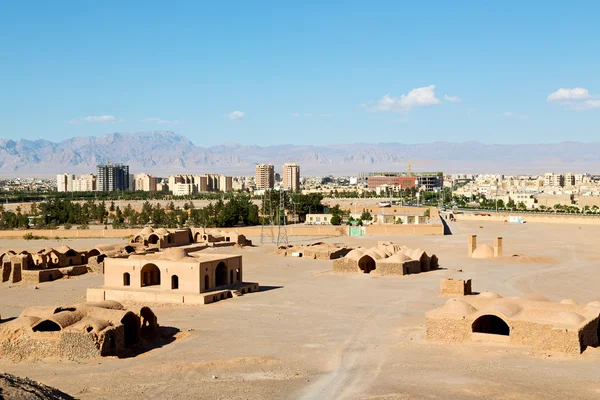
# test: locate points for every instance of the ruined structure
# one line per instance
(484, 250)
(47, 264)
(162, 238)
(314, 251)
(217, 238)
(76, 332)
(172, 276)
(455, 287)
(386, 259)
(530, 320)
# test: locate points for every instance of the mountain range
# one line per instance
(163, 152)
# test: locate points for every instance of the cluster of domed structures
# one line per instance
(314, 251)
(76, 332)
(531, 320)
(162, 238)
(386, 259)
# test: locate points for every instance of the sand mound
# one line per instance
(13, 387)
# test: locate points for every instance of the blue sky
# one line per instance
(302, 72)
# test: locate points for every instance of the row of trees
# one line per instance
(235, 210)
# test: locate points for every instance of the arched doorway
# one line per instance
(491, 324)
(126, 279)
(174, 282)
(366, 264)
(131, 325)
(150, 275)
(221, 274)
(153, 239)
(206, 282)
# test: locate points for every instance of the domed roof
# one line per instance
(595, 304)
(506, 307)
(174, 254)
(416, 254)
(483, 251)
(399, 258)
(381, 252)
(373, 254)
(568, 301)
(355, 254)
(489, 295)
(569, 317)
(458, 307)
(147, 230)
(161, 231)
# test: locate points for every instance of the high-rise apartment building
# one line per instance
(291, 176)
(225, 183)
(265, 176)
(62, 182)
(70, 183)
(113, 177)
(144, 182)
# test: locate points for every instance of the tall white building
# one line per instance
(291, 176)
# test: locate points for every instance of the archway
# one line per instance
(491, 324)
(153, 239)
(131, 326)
(221, 274)
(366, 264)
(174, 282)
(206, 282)
(126, 279)
(150, 275)
(129, 249)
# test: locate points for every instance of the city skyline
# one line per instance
(322, 74)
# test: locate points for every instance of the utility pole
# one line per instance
(282, 232)
(267, 221)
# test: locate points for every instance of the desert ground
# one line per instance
(313, 334)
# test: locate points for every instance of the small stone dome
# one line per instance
(458, 307)
(161, 231)
(569, 317)
(568, 301)
(147, 230)
(399, 257)
(174, 254)
(490, 295)
(355, 254)
(483, 251)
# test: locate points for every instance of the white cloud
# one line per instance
(161, 121)
(101, 119)
(418, 97)
(452, 99)
(563, 94)
(509, 114)
(236, 115)
(578, 99)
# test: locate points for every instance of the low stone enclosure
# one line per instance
(77, 332)
(173, 276)
(386, 259)
(530, 320)
(314, 251)
(455, 287)
(484, 250)
(49, 264)
(162, 238)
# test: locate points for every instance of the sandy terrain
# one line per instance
(313, 334)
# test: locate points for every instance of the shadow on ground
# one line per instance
(165, 335)
(267, 288)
